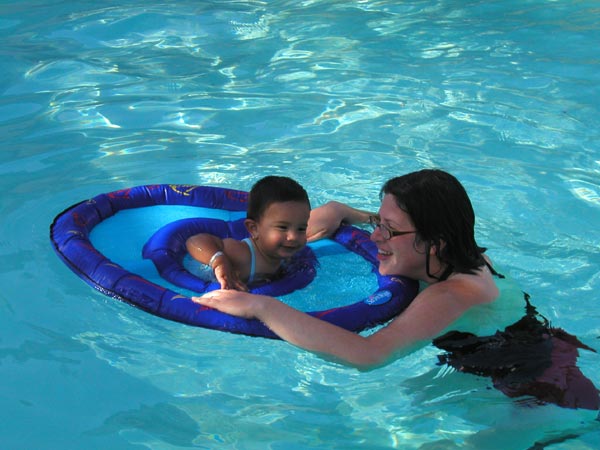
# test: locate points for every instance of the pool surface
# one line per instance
(340, 95)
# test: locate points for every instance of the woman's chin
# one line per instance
(384, 269)
(388, 269)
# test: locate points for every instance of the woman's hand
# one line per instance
(325, 220)
(236, 303)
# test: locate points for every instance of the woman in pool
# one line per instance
(425, 231)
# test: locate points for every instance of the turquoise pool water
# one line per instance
(340, 95)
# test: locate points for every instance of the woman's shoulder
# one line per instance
(487, 316)
(468, 289)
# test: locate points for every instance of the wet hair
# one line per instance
(441, 210)
(273, 189)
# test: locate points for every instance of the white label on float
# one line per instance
(378, 298)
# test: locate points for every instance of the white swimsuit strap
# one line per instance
(250, 244)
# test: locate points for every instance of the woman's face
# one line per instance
(400, 255)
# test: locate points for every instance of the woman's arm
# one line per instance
(326, 219)
(292, 325)
(435, 308)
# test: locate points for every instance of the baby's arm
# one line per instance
(210, 250)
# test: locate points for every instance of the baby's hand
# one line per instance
(227, 277)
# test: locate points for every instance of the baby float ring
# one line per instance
(70, 236)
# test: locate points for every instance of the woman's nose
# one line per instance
(376, 235)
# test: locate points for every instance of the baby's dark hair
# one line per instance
(441, 210)
(273, 189)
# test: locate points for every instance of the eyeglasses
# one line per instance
(386, 232)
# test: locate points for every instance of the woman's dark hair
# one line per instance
(273, 189)
(440, 209)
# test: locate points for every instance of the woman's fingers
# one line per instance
(316, 235)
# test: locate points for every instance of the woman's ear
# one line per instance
(252, 228)
(436, 246)
(433, 248)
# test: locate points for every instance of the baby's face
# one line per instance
(281, 230)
